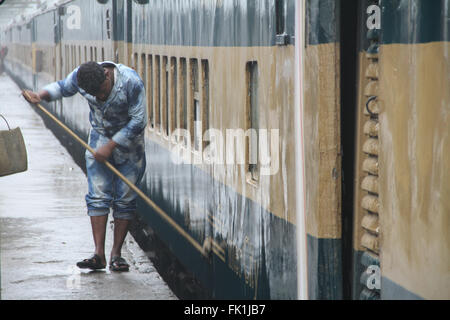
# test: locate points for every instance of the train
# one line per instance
(375, 135)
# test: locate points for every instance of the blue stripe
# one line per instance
(393, 291)
(324, 268)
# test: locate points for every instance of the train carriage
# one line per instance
(19, 40)
(401, 211)
(203, 68)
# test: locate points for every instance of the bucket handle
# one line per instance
(9, 128)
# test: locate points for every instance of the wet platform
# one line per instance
(45, 229)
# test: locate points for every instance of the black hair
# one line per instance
(90, 77)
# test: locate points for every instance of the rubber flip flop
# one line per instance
(119, 264)
(93, 263)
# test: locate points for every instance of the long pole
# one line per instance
(163, 215)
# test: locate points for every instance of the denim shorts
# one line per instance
(106, 190)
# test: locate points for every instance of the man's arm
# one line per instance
(54, 91)
(104, 152)
(33, 97)
(137, 112)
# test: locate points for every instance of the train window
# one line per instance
(280, 12)
(173, 94)
(135, 61)
(66, 63)
(205, 97)
(79, 55)
(143, 70)
(108, 24)
(103, 54)
(64, 56)
(282, 38)
(92, 54)
(39, 61)
(143, 74)
(183, 96)
(95, 54)
(158, 92)
(165, 89)
(253, 118)
(72, 57)
(195, 96)
(150, 91)
(70, 61)
(85, 54)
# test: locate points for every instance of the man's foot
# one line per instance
(94, 263)
(118, 264)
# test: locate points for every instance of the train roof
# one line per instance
(20, 12)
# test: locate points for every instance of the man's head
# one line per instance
(95, 80)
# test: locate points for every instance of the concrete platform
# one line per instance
(45, 229)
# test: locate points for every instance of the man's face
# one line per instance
(106, 87)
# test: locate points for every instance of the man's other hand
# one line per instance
(103, 153)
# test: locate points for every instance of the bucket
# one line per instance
(13, 154)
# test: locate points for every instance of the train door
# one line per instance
(323, 149)
(119, 30)
(366, 204)
(33, 53)
(394, 77)
(123, 31)
(58, 36)
(349, 27)
(58, 70)
(405, 116)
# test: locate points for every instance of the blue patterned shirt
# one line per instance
(123, 116)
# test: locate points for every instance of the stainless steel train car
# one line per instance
(375, 119)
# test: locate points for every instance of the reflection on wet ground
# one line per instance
(45, 229)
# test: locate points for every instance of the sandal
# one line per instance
(94, 263)
(119, 264)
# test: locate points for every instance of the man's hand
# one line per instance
(102, 154)
(35, 98)
(31, 97)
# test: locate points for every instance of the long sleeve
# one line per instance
(64, 88)
(137, 112)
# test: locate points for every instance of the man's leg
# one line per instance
(124, 204)
(99, 198)
(120, 232)
(99, 233)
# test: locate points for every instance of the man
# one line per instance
(118, 116)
